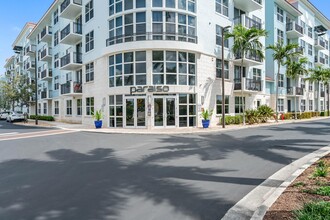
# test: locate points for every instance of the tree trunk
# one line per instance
(243, 101)
(295, 103)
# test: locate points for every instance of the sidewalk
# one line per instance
(91, 128)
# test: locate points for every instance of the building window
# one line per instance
(69, 107)
(310, 105)
(55, 16)
(39, 108)
(280, 105)
(256, 74)
(187, 4)
(115, 6)
(280, 15)
(56, 61)
(116, 111)
(89, 106)
(219, 37)
(128, 69)
(56, 107)
(89, 11)
(303, 45)
(90, 72)
(310, 50)
(280, 36)
(310, 86)
(310, 32)
(303, 105)
(55, 38)
(219, 69)
(302, 84)
(187, 110)
(303, 25)
(167, 65)
(45, 108)
(221, 6)
(89, 41)
(219, 104)
(322, 105)
(239, 104)
(56, 83)
(281, 81)
(79, 106)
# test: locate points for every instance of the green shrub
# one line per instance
(252, 116)
(314, 211)
(230, 120)
(289, 116)
(305, 115)
(320, 171)
(43, 117)
(265, 112)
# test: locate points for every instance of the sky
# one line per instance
(15, 13)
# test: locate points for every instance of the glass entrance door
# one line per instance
(164, 112)
(135, 113)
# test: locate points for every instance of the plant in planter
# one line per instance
(206, 115)
(97, 115)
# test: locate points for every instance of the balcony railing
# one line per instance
(76, 58)
(295, 91)
(66, 3)
(77, 29)
(30, 65)
(253, 84)
(46, 94)
(71, 87)
(247, 22)
(46, 52)
(46, 73)
(250, 56)
(319, 60)
(293, 26)
(151, 36)
(320, 42)
(45, 31)
(31, 49)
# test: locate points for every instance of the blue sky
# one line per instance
(15, 13)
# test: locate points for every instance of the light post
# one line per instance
(223, 29)
(36, 86)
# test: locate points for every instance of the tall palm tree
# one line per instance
(282, 53)
(293, 71)
(246, 41)
(322, 75)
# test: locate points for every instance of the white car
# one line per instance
(3, 115)
(15, 116)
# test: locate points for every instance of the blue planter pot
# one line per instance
(206, 123)
(98, 124)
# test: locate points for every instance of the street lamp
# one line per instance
(223, 29)
(36, 84)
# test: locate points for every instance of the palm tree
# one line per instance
(293, 71)
(322, 75)
(282, 53)
(246, 41)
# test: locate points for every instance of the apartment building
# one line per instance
(153, 63)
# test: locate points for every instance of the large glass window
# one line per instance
(311, 106)
(68, 107)
(79, 106)
(219, 37)
(56, 107)
(187, 5)
(303, 105)
(280, 35)
(280, 15)
(221, 6)
(89, 11)
(280, 105)
(219, 69)
(219, 104)
(128, 69)
(239, 104)
(187, 110)
(173, 68)
(115, 6)
(89, 41)
(90, 72)
(281, 81)
(89, 105)
(116, 111)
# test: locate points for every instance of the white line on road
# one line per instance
(11, 133)
(35, 134)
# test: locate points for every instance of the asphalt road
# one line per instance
(94, 176)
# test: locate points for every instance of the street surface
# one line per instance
(56, 174)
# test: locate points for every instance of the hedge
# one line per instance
(43, 117)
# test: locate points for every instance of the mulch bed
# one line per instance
(295, 196)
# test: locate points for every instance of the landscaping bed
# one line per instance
(309, 193)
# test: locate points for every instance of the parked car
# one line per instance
(15, 116)
(4, 114)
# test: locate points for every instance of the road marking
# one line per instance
(11, 133)
(35, 134)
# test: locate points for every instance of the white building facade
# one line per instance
(147, 63)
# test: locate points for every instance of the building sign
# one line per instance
(145, 89)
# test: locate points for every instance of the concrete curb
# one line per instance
(256, 203)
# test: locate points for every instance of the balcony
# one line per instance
(249, 5)
(71, 61)
(293, 91)
(319, 61)
(46, 74)
(319, 44)
(300, 50)
(322, 93)
(71, 34)
(46, 35)
(70, 9)
(29, 66)
(32, 99)
(250, 59)
(46, 94)
(71, 88)
(46, 55)
(249, 85)
(150, 36)
(247, 22)
(30, 50)
(294, 30)
(19, 59)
